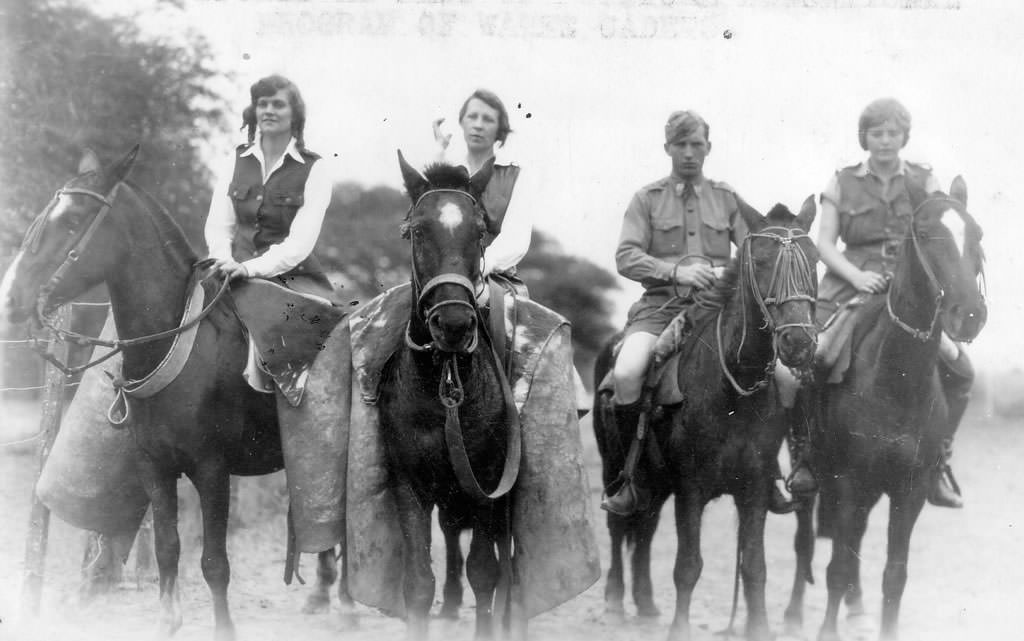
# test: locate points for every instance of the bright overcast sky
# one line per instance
(781, 82)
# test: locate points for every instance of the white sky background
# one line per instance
(782, 95)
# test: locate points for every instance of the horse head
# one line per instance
(778, 262)
(948, 260)
(445, 226)
(68, 233)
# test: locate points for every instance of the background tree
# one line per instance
(71, 79)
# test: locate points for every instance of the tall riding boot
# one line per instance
(957, 377)
(632, 495)
(801, 482)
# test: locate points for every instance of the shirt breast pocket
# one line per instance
(715, 236)
(666, 236)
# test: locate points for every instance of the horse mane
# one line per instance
(168, 228)
(442, 175)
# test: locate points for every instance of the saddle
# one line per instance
(288, 328)
(835, 341)
(663, 374)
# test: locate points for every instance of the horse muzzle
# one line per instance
(453, 330)
(796, 345)
(964, 323)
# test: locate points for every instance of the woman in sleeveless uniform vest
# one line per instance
(269, 202)
(270, 197)
(485, 128)
(868, 207)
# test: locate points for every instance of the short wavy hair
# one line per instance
(881, 111)
(268, 86)
(492, 100)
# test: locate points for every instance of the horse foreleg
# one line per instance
(615, 587)
(214, 485)
(803, 546)
(854, 598)
(904, 509)
(163, 493)
(418, 589)
(319, 600)
(453, 569)
(752, 513)
(644, 527)
(839, 568)
(482, 571)
(347, 606)
(689, 563)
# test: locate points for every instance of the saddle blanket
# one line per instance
(556, 556)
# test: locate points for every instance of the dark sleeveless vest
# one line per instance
(265, 211)
(496, 197)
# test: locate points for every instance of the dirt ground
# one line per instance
(966, 573)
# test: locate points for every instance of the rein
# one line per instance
(450, 389)
(31, 244)
(791, 280)
(923, 335)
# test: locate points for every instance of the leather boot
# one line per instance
(944, 491)
(630, 496)
(801, 482)
(957, 378)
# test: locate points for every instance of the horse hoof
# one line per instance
(647, 611)
(614, 613)
(348, 620)
(449, 612)
(316, 605)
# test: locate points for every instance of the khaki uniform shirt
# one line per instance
(664, 223)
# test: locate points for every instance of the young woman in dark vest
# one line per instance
(269, 202)
(485, 128)
(270, 198)
(868, 207)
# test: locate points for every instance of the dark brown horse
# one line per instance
(879, 431)
(207, 423)
(445, 415)
(725, 435)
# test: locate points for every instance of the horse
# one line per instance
(207, 423)
(879, 430)
(444, 453)
(723, 438)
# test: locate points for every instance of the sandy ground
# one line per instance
(966, 572)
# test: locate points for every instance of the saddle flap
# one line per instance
(288, 328)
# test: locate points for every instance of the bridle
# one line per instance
(33, 236)
(35, 231)
(923, 335)
(423, 290)
(792, 279)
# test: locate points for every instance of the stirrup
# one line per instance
(945, 491)
(628, 500)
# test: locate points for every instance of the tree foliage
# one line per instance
(72, 79)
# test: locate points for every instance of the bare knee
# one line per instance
(631, 366)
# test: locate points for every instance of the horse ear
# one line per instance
(414, 181)
(478, 183)
(958, 190)
(119, 171)
(751, 216)
(89, 162)
(807, 212)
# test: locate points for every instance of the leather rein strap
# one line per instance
(451, 395)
